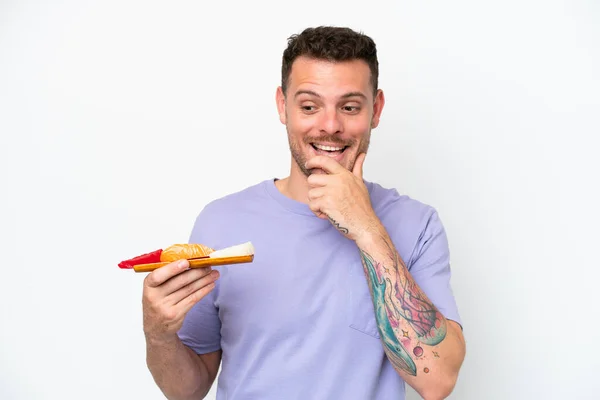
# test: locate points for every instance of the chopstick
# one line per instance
(198, 263)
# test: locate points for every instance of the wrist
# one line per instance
(162, 339)
(371, 233)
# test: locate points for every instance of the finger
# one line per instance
(190, 301)
(192, 287)
(316, 180)
(358, 165)
(326, 163)
(316, 193)
(184, 279)
(321, 215)
(163, 274)
(315, 207)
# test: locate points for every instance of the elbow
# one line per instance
(442, 386)
(441, 391)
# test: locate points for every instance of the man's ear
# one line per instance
(377, 108)
(280, 100)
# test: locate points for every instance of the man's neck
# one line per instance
(294, 186)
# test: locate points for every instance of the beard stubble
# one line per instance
(299, 155)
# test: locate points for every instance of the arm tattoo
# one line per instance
(399, 305)
(337, 225)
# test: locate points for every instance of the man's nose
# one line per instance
(331, 122)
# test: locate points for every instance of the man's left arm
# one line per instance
(410, 325)
(408, 321)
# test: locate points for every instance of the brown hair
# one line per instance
(332, 44)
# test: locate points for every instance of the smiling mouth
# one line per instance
(328, 150)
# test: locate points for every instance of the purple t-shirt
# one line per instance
(298, 322)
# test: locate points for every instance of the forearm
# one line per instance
(426, 349)
(177, 370)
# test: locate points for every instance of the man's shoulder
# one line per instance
(239, 197)
(389, 202)
(408, 221)
(249, 197)
(219, 221)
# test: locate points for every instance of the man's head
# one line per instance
(329, 99)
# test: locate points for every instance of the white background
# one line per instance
(120, 120)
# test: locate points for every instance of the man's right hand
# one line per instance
(169, 293)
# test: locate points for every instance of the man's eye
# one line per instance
(308, 108)
(351, 108)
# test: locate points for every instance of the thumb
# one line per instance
(358, 165)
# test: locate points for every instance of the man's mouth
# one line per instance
(328, 150)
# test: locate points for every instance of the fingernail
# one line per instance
(182, 264)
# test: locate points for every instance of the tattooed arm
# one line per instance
(425, 348)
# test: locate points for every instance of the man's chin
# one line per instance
(316, 171)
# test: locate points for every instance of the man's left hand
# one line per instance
(341, 196)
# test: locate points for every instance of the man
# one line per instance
(348, 296)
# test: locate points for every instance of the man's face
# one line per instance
(329, 109)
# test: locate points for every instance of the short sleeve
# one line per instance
(430, 268)
(201, 329)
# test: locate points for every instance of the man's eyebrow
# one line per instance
(354, 94)
(345, 96)
(309, 92)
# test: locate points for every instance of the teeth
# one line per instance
(328, 148)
